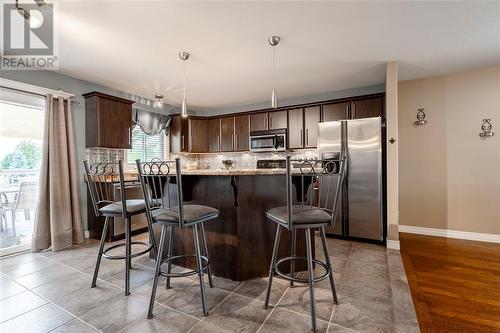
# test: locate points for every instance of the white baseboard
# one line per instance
(87, 234)
(476, 236)
(392, 244)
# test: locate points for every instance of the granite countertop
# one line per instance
(132, 176)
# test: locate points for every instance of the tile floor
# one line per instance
(50, 292)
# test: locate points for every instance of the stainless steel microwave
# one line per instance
(272, 140)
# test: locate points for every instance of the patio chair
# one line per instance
(25, 199)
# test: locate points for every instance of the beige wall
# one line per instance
(449, 178)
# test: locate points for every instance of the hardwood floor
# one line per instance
(455, 284)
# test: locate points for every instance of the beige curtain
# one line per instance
(58, 221)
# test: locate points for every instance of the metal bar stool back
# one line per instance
(162, 189)
(313, 190)
(103, 181)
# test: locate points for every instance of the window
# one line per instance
(146, 147)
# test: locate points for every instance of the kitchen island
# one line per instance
(240, 240)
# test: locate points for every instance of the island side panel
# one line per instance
(257, 195)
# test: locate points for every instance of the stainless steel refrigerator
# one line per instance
(361, 208)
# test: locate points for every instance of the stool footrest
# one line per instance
(301, 280)
(133, 255)
(205, 263)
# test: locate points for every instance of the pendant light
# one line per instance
(273, 41)
(184, 57)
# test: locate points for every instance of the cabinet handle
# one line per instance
(232, 141)
(182, 138)
(236, 141)
(354, 110)
(218, 142)
(307, 137)
(347, 111)
(301, 139)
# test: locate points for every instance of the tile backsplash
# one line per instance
(104, 155)
(241, 160)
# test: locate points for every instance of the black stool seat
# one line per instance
(192, 214)
(134, 206)
(300, 215)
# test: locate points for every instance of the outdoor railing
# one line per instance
(14, 177)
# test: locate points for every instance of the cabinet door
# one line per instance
(336, 111)
(178, 132)
(197, 135)
(213, 132)
(311, 120)
(227, 134)
(242, 132)
(115, 123)
(277, 119)
(258, 121)
(295, 128)
(366, 108)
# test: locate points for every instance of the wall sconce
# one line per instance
(486, 127)
(420, 118)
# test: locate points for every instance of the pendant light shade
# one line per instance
(274, 99)
(184, 111)
(273, 41)
(184, 57)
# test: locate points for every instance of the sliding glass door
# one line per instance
(21, 135)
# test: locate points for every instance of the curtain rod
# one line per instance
(29, 88)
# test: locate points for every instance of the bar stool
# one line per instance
(162, 188)
(103, 179)
(316, 186)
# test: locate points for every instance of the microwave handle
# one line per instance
(275, 141)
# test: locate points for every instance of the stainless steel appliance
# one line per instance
(272, 140)
(360, 141)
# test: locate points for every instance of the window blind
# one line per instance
(146, 147)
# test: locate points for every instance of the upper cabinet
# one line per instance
(241, 132)
(227, 134)
(213, 134)
(303, 127)
(258, 121)
(263, 121)
(368, 107)
(232, 132)
(296, 128)
(336, 111)
(311, 120)
(277, 119)
(108, 121)
(188, 135)
(197, 135)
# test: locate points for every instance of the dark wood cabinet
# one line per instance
(277, 119)
(366, 108)
(241, 132)
(311, 120)
(197, 135)
(227, 134)
(179, 128)
(258, 121)
(296, 128)
(108, 121)
(336, 111)
(213, 135)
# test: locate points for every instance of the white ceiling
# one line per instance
(326, 46)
